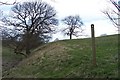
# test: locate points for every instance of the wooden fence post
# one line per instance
(93, 44)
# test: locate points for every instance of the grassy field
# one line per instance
(69, 59)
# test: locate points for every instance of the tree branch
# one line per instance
(5, 3)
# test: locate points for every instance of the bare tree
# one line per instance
(1, 15)
(33, 19)
(113, 15)
(73, 22)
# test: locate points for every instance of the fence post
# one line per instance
(93, 44)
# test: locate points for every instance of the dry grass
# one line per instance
(53, 52)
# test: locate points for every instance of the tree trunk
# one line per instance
(70, 36)
(27, 50)
(27, 42)
(71, 32)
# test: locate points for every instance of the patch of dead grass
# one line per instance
(53, 52)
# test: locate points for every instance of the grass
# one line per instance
(70, 59)
(9, 58)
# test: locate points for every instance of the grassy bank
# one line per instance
(70, 58)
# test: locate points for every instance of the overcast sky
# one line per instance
(90, 12)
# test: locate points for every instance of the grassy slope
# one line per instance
(9, 58)
(70, 58)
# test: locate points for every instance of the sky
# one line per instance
(90, 12)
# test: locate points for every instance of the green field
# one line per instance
(68, 59)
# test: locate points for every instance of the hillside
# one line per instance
(70, 58)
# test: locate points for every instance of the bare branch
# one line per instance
(113, 15)
(6, 3)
